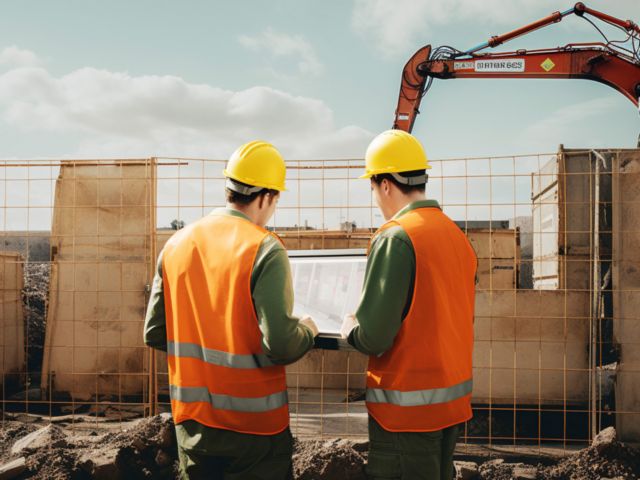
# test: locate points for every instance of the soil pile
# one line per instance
(146, 450)
(84, 448)
(613, 460)
(331, 459)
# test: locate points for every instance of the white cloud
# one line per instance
(282, 45)
(12, 57)
(401, 26)
(117, 114)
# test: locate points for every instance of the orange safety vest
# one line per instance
(219, 375)
(424, 382)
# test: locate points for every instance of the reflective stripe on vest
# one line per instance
(227, 402)
(218, 357)
(434, 346)
(218, 373)
(417, 398)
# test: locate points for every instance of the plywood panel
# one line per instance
(101, 239)
(626, 279)
(12, 342)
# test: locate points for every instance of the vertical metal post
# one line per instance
(596, 299)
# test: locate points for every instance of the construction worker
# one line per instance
(415, 319)
(221, 307)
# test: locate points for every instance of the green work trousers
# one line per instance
(213, 453)
(410, 455)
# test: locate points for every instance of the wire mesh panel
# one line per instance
(556, 317)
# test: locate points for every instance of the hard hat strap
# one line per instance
(242, 189)
(410, 181)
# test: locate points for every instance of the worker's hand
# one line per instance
(308, 322)
(348, 324)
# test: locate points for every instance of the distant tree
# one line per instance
(177, 224)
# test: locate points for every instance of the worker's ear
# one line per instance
(271, 198)
(261, 200)
(267, 199)
(385, 185)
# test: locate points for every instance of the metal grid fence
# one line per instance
(557, 325)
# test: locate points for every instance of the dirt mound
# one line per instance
(331, 459)
(146, 450)
(616, 460)
(10, 432)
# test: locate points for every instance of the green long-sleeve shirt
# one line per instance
(388, 287)
(284, 339)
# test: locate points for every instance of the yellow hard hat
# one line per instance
(394, 151)
(258, 164)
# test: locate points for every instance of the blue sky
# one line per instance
(319, 79)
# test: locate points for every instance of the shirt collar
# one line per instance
(229, 212)
(415, 205)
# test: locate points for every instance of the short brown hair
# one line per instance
(406, 189)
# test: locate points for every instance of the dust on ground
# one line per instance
(83, 447)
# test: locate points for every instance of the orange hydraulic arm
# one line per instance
(605, 63)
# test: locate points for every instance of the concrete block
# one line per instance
(528, 301)
(45, 437)
(482, 353)
(528, 355)
(466, 470)
(13, 468)
(499, 244)
(503, 354)
(496, 274)
(503, 385)
(481, 385)
(482, 328)
(528, 328)
(483, 303)
(553, 328)
(528, 385)
(503, 328)
(503, 303)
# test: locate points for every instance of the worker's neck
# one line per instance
(251, 211)
(403, 200)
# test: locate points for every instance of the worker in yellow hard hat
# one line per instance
(221, 306)
(415, 319)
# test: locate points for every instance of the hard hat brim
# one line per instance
(253, 183)
(389, 170)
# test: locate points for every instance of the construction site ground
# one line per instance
(104, 446)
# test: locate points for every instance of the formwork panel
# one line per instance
(626, 296)
(12, 340)
(98, 209)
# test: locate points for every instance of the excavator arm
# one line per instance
(620, 69)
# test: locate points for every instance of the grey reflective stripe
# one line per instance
(227, 402)
(411, 181)
(241, 189)
(416, 398)
(217, 357)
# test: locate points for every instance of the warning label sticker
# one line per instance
(514, 65)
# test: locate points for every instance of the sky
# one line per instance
(89, 79)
